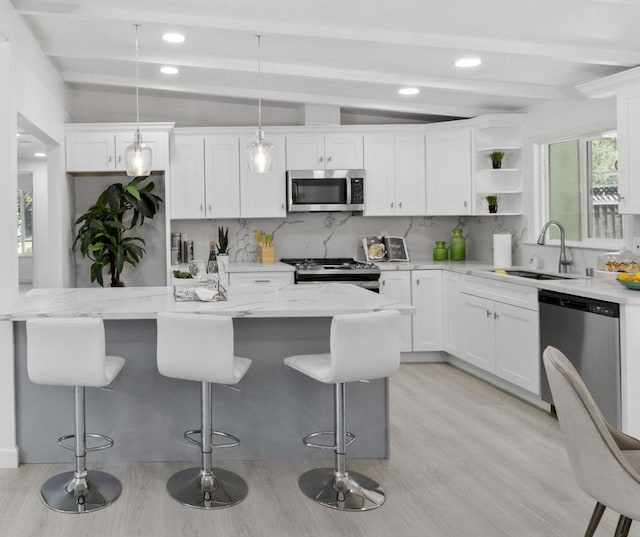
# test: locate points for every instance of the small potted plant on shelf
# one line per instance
(492, 201)
(496, 159)
(223, 248)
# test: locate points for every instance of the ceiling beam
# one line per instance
(587, 54)
(502, 89)
(280, 96)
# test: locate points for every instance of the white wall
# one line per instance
(30, 86)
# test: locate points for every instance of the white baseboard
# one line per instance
(9, 457)
(436, 356)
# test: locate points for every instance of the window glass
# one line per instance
(604, 222)
(25, 222)
(564, 187)
(583, 188)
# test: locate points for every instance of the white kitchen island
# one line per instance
(147, 413)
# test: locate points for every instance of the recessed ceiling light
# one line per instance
(408, 91)
(169, 70)
(468, 62)
(39, 155)
(173, 38)
(18, 134)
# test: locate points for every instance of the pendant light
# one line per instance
(137, 157)
(260, 152)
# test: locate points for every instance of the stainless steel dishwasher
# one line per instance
(587, 331)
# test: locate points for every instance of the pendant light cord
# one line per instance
(137, 82)
(259, 86)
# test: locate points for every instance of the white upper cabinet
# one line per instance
(395, 174)
(222, 176)
(448, 154)
(628, 156)
(187, 177)
(324, 151)
(263, 195)
(91, 149)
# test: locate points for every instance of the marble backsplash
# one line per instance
(340, 234)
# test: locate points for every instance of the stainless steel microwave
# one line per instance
(325, 190)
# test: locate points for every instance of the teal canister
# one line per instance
(457, 245)
(440, 252)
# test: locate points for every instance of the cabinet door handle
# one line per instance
(329, 158)
(201, 208)
(392, 205)
(261, 281)
(209, 207)
(119, 158)
(384, 282)
(496, 315)
(321, 159)
(489, 314)
(465, 203)
(110, 158)
(400, 205)
(282, 205)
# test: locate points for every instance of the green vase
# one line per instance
(457, 245)
(440, 252)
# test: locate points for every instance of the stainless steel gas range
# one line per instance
(336, 270)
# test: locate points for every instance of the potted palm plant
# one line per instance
(103, 235)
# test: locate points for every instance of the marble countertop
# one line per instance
(577, 285)
(276, 300)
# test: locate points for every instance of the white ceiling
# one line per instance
(354, 54)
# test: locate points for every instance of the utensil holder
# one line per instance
(266, 254)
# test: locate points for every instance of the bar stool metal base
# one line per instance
(194, 488)
(67, 494)
(350, 491)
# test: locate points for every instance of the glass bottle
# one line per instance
(212, 256)
(457, 245)
(440, 252)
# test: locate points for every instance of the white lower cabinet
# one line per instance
(397, 284)
(426, 291)
(451, 313)
(502, 339)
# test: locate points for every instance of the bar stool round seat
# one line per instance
(200, 348)
(71, 352)
(363, 346)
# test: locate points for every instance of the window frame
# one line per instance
(541, 173)
(21, 229)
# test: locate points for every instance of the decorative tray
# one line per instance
(199, 293)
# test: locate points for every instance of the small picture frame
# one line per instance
(396, 249)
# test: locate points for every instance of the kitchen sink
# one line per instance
(536, 275)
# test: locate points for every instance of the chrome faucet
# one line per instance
(563, 262)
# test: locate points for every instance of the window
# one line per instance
(25, 222)
(582, 186)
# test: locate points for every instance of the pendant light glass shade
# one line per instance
(137, 156)
(260, 152)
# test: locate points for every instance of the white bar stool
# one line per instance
(364, 346)
(71, 352)
(200, 348)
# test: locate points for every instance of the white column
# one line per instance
(9, 263)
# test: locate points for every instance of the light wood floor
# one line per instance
(467, 460)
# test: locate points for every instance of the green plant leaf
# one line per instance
(133, 191)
